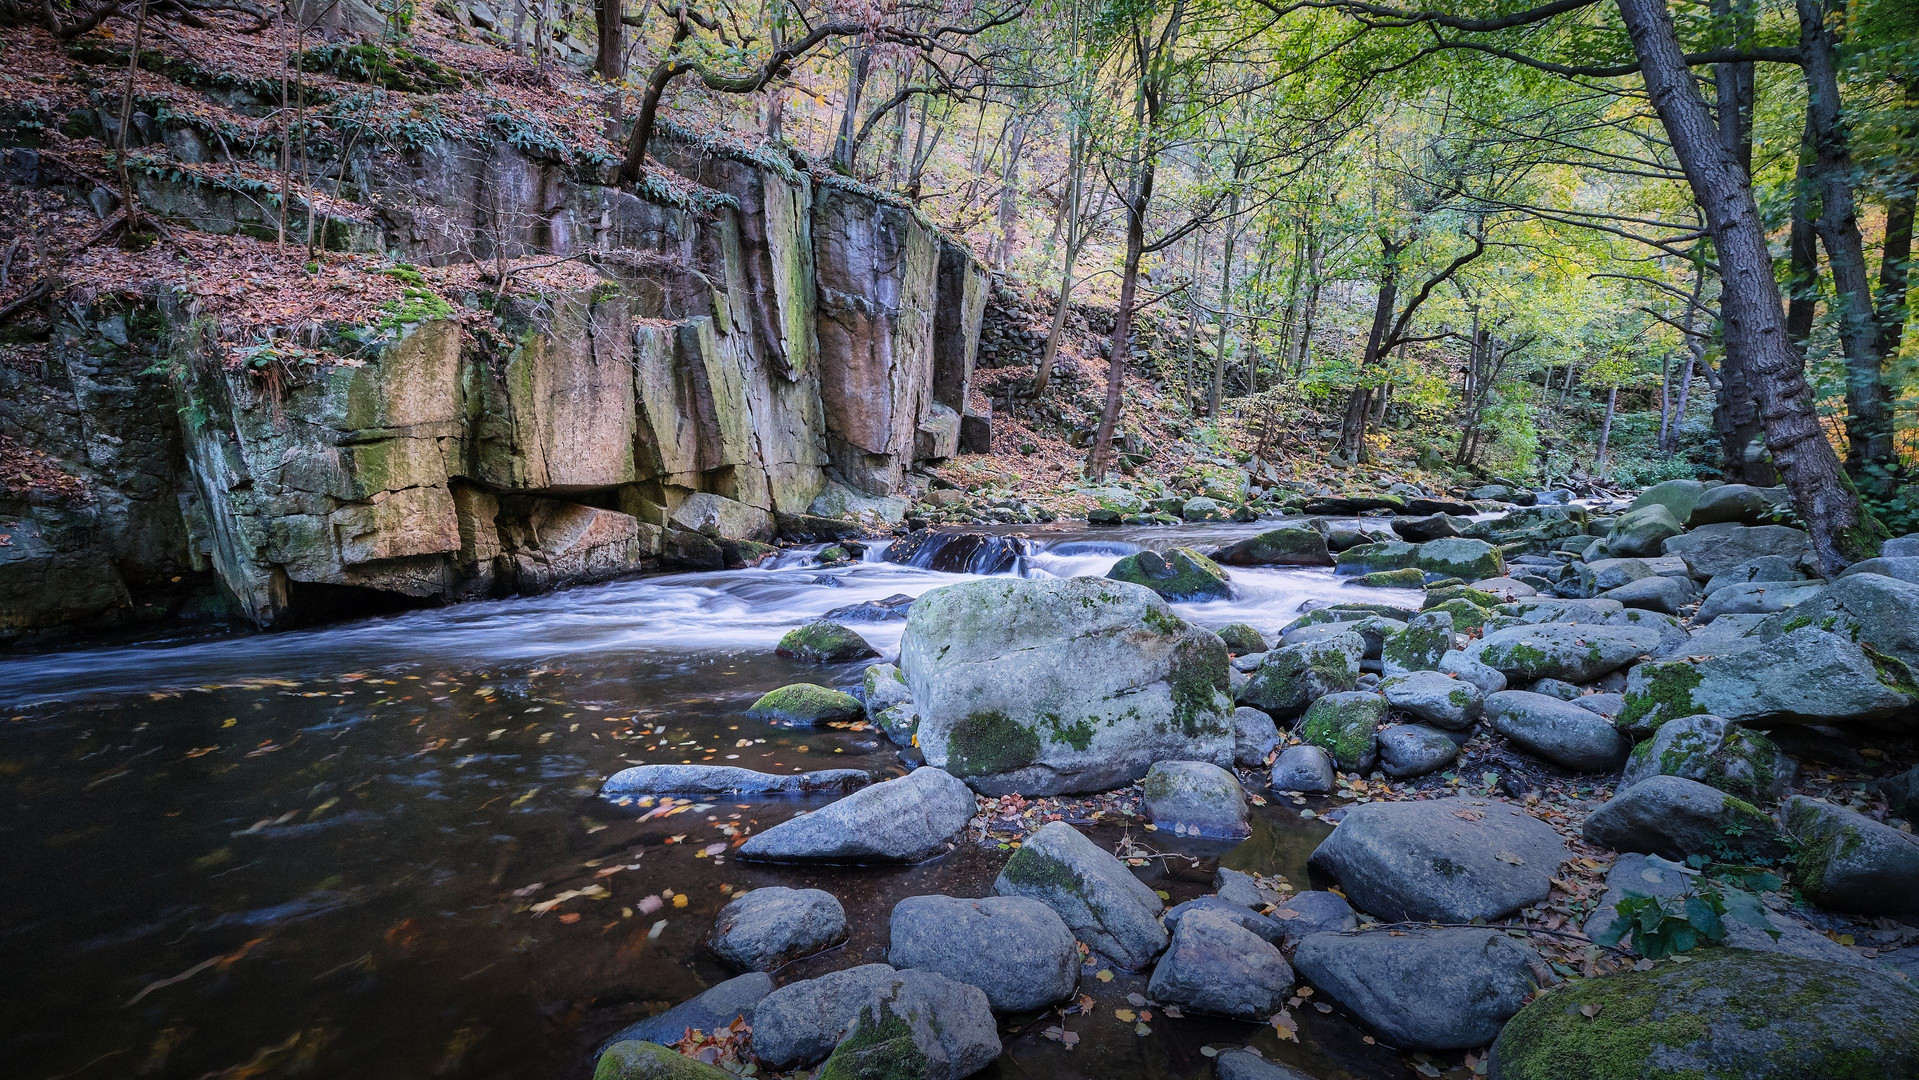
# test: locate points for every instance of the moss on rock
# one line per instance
(1179, 574)
(990, 742)
(825, 642)
(634, 1060)
(806, 705)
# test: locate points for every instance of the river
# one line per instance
(323, 853)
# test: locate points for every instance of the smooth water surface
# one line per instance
(335, 852)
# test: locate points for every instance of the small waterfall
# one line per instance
(961, 552)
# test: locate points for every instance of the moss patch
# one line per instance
(990, 742)
(1664, 694)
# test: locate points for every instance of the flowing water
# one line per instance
(328, 853)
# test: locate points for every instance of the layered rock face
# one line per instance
(738, 356)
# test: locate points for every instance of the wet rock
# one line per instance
(1437, 699)
(1766, 568)
(1466, 668)
(1737, 502)
(889, 609)
(1426, 640)
(1562, 733)
(1195, 798)
(1716, 752)
(823, 642)
(634, 1060)
(1650, 875)
(1870, 609)
(1714, 549)
(1904, 569)
(769, 928)
(1255, 737)
(1314, 912)
(1294, 676)
(1408, 750)
(1246, 1065)
(1757, 598)
(1014, 948)
(1677, 496)
(801, 1022)
(1305, 769)
(1564, 651)
(920, 1025)
(1433, 527)
(1049, 686)
(1846, 861)
(1808, 676)
(1100, 900)
(1279, 547)
(1641, 532)
(1378, 558)
(1343, 725)
(1409, 578)
(1673, 817)
(904, 820)
(806, 705)
(727, 780)
(1663, 594)
(1239, 888)
(1423, 989)
(1240, 915)
(1216, 966)
(717, 1007)
(1730, 1014)
(1471, 560)
(1448, 860)
(958, 552)
(1179, 574)
(1241, 639)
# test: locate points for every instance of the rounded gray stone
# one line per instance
(769, 928)
(1016, 949)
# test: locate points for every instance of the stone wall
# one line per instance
(733, 364)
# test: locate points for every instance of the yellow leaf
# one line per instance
(1105, 975)
(680, 900)
(1127, 1015)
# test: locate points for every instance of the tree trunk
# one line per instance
(1665, 399)
(1894, 261)
(1754, 317)
(1868, 401)
(1352, 432)
(858, 63)
(1605, 430)
(611, 59)
(1009, 189)
(1315, 266)
(1075, 179)
(1142, 194)
(1225, 308)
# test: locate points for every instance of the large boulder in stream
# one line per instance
(1049, 686)
(729, 780)
(1448, 860)
(768, 928)
(1101, 901)
(823, 641)
(1015, 948)
(806, 705)
(1730, 1014)
(1291, 546)
(906, 820)
(1292, 677)
(1217, 966)
(958, 552)
(1566, 651)
(920, 1025)
(1806, 676)
(1179, 574)
(1846, 861)
(801, 1022)
(1441, 989)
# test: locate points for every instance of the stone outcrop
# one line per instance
(738, 353)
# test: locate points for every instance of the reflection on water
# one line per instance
(315, 853)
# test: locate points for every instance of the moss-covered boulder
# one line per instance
(1846, 861)
(1195, 798)
(1291, 546)
(1677, 496)
(1099, 898)
(1572, 652)
(1409, 578)
(1467, 616)
(1807, 676)
(1642, 532)
(1349, 611)
(1045, 686)
(825, 642)
(1728, 1014)
(1344, 725)
(1713, 751)
(634, 1060)
(1446, 594)
(806, 705)
(1373, 558)
(1242, 639)
(1290, 678)
(1179, 574)
(1871, 610)
(1425, 641)
(1676, 818)
(1459, 557)
(919, 1026)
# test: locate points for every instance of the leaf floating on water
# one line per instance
(1287, 1027)
(1208, 1051)
(1142, 1030)
(1135, 1000)
(680, 900)
(1104, 975)
(1425, 1069)
(1127, 1015)
(650, 905)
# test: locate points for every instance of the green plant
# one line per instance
(1665, 926)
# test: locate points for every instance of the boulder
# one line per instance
(1808, 676)
(635, 1060)
(1466, 667)
(1772, 568)
(1723, 636)
(1216, 966)
(1846, 861)
(1195, 798)
(1427, 638)
(1677, 496)
(1714, 549)
(718, 1006)
(1268, 930)
(1049, 686)
(1179, 574)
(1100, 900)
(1014, 948)
(771, 927)
(1559, 731)
(1201, 508)
(1757, 598)
(906, 820)
(1673, 817)
(1239, 888)
(1900, 547)
(728, 780)
(1408, 750)
(883, 686)
(921, 1025)
(1246, 1065)
(1459, 557)
(1421, 989)
(1448, 860)
(1435, 698)
(1730, 1014)
(1566, 651)
(1374, 630)
(1905, 569)
(1650, 875)
(1742, 763)
(1290, 546)
(1467, 616)
(1305, 769)
(1410, 578)
(823, 642)
(1663, 594)
(1742, 503)
(1872, 610)
(1641, 532)
(806, 705)
(1241, 639)
(1314, 912)
(1343, 725)
(1601, 575)
(1606, 705)
(1294, 676)
(1374, 558)
(1255, 737)
(801, 1022)
(1554, 688)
